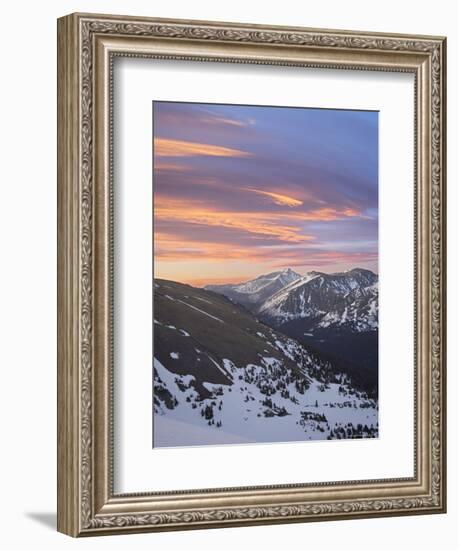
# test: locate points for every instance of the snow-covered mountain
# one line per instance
(254, 292)
(358, 311)
(222, 376)
(346, 300)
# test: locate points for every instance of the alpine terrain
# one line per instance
(255, 292)
(335, 314)
(232, 363)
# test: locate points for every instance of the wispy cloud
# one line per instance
(239, 190)
(192, 115)
(263, 224)
(177, 148)
(172, 248)
(277, 198)
(220, 120)
(160, 166)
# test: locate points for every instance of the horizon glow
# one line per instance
(240, 191)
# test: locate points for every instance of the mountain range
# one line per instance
(334, 314)
(256, 291)
(226, 371)
(345, 300)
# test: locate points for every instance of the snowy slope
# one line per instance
(221, 376)
(348, 299)
(357, 311)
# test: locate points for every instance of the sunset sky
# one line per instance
(242, 190)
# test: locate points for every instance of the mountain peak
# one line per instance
(360, 270)
(287, 276)
(323, 300)
(251, 293)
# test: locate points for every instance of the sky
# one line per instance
(240, 191)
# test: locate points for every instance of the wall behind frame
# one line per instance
(28, 274)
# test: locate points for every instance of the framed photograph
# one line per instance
(251, 289)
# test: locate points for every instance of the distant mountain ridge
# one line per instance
(254, 292)
(344, 300)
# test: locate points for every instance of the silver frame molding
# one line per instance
(87, 45)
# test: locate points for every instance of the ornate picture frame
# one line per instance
(87, 46)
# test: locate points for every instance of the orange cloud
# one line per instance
(282, 200)
(170, 166)
(284, 230)
(177, 148)
(173, 248)
(262, 223)
(331, 214)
